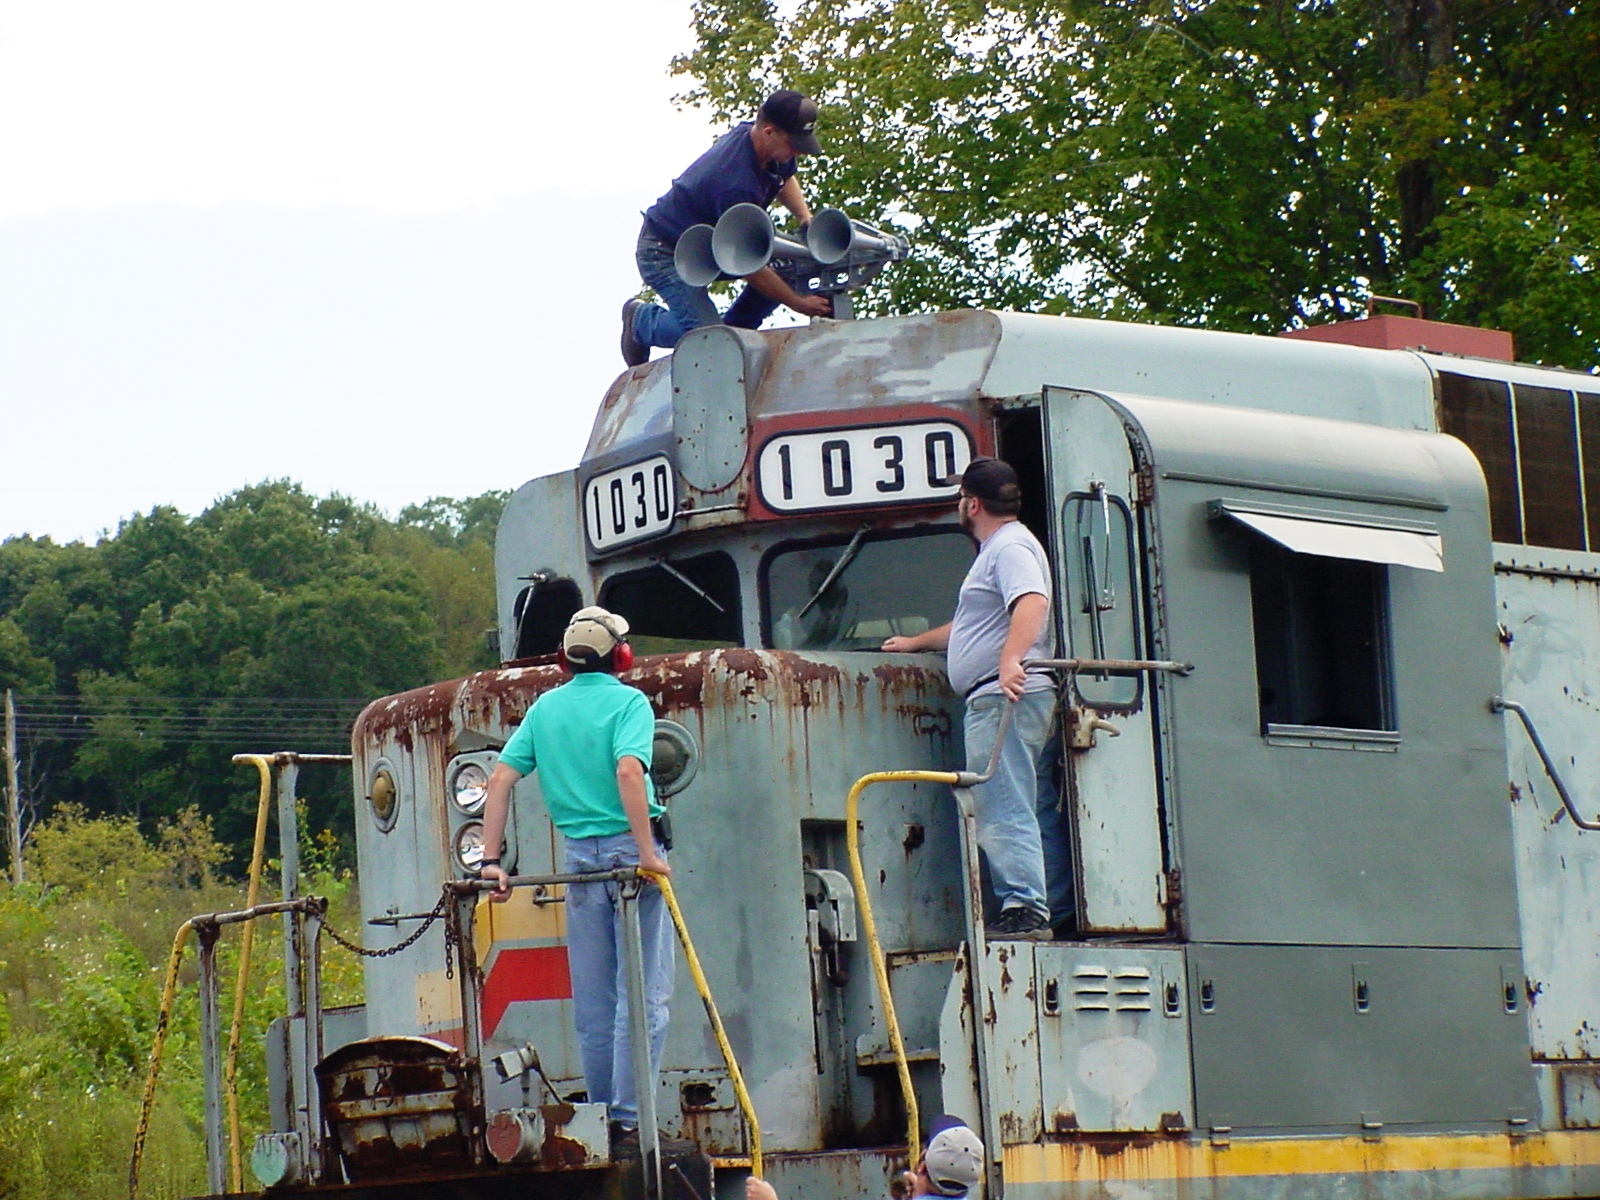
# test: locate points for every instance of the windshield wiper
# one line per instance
(845, 559)
(666, 565)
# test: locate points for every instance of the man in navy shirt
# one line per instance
(754, 163)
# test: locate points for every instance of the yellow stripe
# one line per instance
(1166, 1158)
(518, 919)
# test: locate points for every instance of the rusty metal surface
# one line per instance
(399, 1106)
(1549, 603)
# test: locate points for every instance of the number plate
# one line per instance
(873, 464)
(630, 504)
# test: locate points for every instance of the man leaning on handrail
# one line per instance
(591, 740)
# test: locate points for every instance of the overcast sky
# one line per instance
(375, 246)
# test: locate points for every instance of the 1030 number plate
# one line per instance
(630, 504)
(868, 465)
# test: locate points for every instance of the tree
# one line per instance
(1238, 164)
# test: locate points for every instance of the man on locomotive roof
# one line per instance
(952, 1164)
(754, 163)
(591, 741)
(1002, 619)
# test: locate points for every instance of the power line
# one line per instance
(204, 719)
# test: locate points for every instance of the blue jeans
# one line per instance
(687, 307)
(1020, 826)
(597, 962)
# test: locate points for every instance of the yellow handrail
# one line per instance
(168, 990)
(231, 1068)
(746, 1106)
(880, 969)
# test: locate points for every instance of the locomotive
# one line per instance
(1328, 609)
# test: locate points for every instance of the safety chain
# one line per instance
(410, 939)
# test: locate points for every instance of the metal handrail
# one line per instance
(1501, 704)
(702, 985)
(869, 926)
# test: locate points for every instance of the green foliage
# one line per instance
(1238, 164)
(83, 950)
(271, 593)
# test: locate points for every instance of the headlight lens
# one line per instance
(469, 846)
(469, 788)
(383, 794)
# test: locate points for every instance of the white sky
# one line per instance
(376, 246)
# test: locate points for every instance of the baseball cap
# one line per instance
(593, 633)
(991, 479)
(796, 115)
(954, 1157)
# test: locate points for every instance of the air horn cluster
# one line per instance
(838, 255)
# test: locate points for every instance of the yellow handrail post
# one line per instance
(746, 1105)
(231, 1068)
(880, 968)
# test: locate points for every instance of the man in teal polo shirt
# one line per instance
(590, 740)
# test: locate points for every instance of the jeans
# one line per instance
(687, 307)
(599, 986)
(1020, 826)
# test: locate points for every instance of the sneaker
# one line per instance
(634, 352)
(1020, 924)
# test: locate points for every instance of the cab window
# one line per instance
(678, 604)
(850, 593)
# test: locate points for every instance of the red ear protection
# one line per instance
(622, 657)
(561, 658)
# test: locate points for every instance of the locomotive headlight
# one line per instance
(383, 794)
(469, 788)
(674, 758)
(469, 847)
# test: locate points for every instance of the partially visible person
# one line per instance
(1002, 619)
(952, 1165)
(754, 163)
(591, 741)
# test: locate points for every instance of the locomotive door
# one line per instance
(1109, 732)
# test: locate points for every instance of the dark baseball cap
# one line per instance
(796, 115)
(991, 479)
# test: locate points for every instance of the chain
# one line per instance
(410, 939)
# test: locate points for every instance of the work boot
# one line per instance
(634, 352)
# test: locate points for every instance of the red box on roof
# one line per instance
(1412, 333)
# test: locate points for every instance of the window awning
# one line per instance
(1417, 548)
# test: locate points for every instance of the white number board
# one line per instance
(630, 503)
(873, 464)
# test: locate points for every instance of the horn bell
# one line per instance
(693, 259)
(744, 240)
(834, 239)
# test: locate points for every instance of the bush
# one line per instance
(83, 953)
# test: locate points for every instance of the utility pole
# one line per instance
(13, 813)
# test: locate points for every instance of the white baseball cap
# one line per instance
(593, 633)
(954, 1157)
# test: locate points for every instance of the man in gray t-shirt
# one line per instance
(1003, 619)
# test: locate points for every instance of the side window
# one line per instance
(1322, 640)
(1101, 604)
(679, 604)
(541, 614)
(1540, 452)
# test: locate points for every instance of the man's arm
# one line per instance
(771, 285)
(1028, 615)
(932, 639)
(789, 196)
(495, 807)
(636, 805)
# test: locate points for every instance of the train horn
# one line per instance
(835, 239)
(692, 257)
(745, 241)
